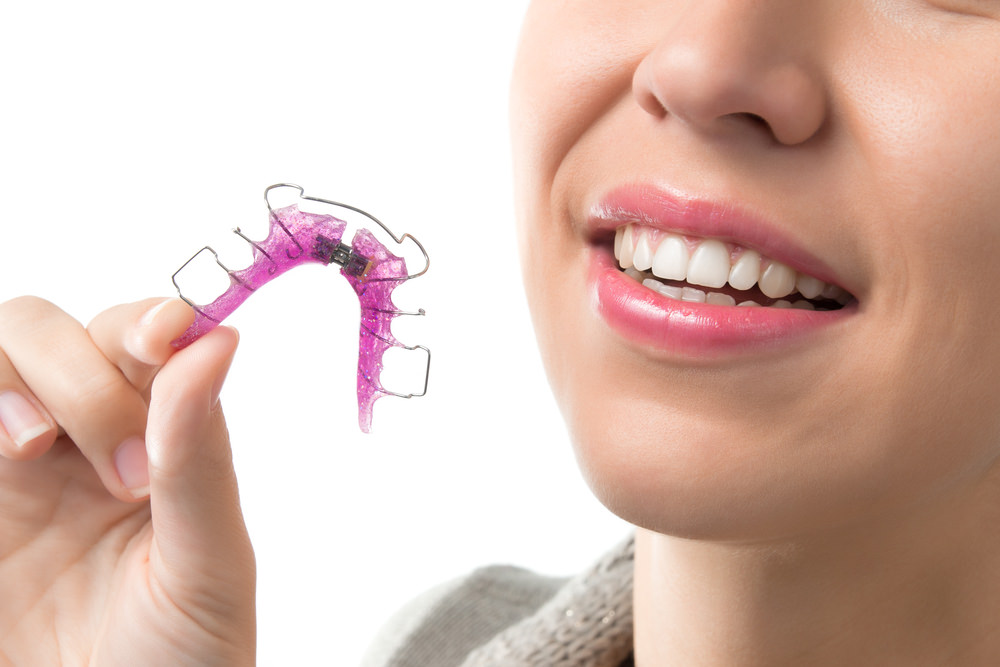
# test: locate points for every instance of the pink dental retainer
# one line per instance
(297, 237)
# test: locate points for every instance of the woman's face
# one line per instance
(854, 146)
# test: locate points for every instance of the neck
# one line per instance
(923, 589)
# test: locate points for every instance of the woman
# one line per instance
(811, 485)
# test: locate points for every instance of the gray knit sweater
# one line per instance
(509, 617)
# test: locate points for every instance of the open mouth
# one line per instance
(705, 270)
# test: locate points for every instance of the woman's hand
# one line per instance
(107, 557)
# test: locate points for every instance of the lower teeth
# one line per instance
(693, 295)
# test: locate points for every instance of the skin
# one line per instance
(826, 502)
(91, 573)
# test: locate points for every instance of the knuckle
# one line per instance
(103, 317)
(26, 304)
(26, 301)
(101, 394)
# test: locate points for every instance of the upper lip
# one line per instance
(674, 212)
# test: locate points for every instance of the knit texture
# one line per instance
(503, 616)
(588, 623)
(442, 627)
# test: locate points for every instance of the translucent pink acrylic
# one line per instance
(281, 251)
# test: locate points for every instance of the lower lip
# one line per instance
(697, 330)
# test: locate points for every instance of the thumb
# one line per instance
(200, 539)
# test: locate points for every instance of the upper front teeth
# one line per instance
(671, 259)
(712, 263)
(709, 264)
(642, 258)
(746, 270)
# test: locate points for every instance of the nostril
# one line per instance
(645, 94)
(752, 119)
(706, 82)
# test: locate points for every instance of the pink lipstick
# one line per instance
(650, 318)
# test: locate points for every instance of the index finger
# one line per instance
(136, 337)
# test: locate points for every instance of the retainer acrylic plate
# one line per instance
(298, 237)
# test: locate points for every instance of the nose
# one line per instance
(723, 64)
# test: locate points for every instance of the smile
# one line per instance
(683, 277)
(676, 265)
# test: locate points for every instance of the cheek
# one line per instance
(570, 67)
(930, 140)
(927, 142)
(562, 316)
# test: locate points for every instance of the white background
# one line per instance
(133, 134)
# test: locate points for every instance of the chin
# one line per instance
(678, 480)
(678, 463)
(726, 480)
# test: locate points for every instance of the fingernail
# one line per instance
(150, 314)
(132, 465)
(21, 419)
(135, 342)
